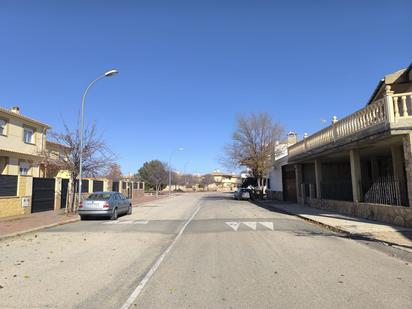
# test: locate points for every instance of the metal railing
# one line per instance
(388, 190)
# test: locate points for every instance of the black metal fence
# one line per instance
(337, 190)
(8, 185)
(389, 190)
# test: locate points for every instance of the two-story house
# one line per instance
(22, 140)
(361, 165)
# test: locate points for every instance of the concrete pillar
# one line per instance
(107, 185)
(355, 170)
(397, 162)
(318, 178)
(57, 193)
(90, 186)
(312, 191)
(407, 154)
(298, 173)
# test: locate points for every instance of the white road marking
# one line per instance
(133, 222)
(127, 222)
(233, 225)
(269, 225)
(156, 265)
(252, 225)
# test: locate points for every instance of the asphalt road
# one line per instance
(199, 251)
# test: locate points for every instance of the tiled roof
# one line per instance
(12, 114)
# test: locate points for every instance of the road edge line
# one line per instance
(156, 265)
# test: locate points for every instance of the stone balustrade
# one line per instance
(402, 105)
(391, 109)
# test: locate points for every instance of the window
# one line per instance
(99, 196)
(24, 168)
(28, 136)
(3, 124)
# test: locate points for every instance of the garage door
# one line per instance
(43, 194)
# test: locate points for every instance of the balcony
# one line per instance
(387, 116)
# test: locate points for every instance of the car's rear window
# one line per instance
(99, 196)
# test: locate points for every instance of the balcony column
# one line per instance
(299, 192)
(318, 178)
(355, 170)
(407, 153)
(389, 104)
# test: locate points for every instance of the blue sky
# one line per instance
(187, 68)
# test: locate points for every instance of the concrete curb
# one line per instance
(337, 229)
(42, 227)
(327, 226)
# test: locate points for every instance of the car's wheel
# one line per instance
(83, 218)
(114, 215)
(129, 212)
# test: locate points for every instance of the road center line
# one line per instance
(156, 265)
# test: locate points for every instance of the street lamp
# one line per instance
(107, 74)
(170, 168)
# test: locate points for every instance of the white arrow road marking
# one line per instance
(233, 225)
(111, 222)
(252, 225)
(269, 225)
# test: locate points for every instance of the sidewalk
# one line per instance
(13, 226)
(396, 236)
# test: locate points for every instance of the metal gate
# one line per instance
(97, 185)
(115, 186)
(63, 199)
(43, 194)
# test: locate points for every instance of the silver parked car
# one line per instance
(242, 194)
(106, 204)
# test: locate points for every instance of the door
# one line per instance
(289, 183)
(43, 194)
(63, 198)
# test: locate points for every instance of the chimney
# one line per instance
(15, 109)
(292, 138)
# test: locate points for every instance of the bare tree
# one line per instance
(155, 174)
(66, 156)
(253, 144)
(207, 180)
(114, 172)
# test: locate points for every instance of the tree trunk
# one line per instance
(157, 190)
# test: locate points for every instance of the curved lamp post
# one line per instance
(170, 167)
(107, 74)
